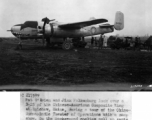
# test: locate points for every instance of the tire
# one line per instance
(67, 45)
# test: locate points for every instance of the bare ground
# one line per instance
(36, 65)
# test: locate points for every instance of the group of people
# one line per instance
(148, 43)
(135, 44)
(122, 42)
(97, 43)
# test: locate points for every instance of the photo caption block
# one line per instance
(75, 106)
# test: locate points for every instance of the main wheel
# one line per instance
(67, 45)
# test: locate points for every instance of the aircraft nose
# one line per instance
(12, 29)
(15, 29)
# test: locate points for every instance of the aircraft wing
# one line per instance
(105, 25)
(78, 25)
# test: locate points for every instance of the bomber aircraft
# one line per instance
(54, 32)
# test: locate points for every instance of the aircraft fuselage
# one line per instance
(26, 31)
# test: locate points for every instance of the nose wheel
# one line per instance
(19, 46)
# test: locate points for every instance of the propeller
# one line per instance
(46, 21)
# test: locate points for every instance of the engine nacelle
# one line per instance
(48, 30)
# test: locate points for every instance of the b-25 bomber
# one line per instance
(56, 33)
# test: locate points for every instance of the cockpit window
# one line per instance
(31, 24)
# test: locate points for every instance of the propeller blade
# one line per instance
(52, 20)
(47, 20)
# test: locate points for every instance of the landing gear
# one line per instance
(79, 42)
(43, 40)
(67, 45)
(19, 46)
(47, 42)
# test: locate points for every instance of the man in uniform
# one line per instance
(100, 42)
(92, 42)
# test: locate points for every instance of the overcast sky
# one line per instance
(137, 13)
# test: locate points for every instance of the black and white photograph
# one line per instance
(75, 59)
(76, 45)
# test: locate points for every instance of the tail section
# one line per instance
(119, 21)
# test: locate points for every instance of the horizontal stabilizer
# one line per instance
(105, 26)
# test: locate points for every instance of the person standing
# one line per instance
(92, 41)
(100, 42)
(105, 41)
(95, 40)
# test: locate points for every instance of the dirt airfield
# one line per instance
(36, 65)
